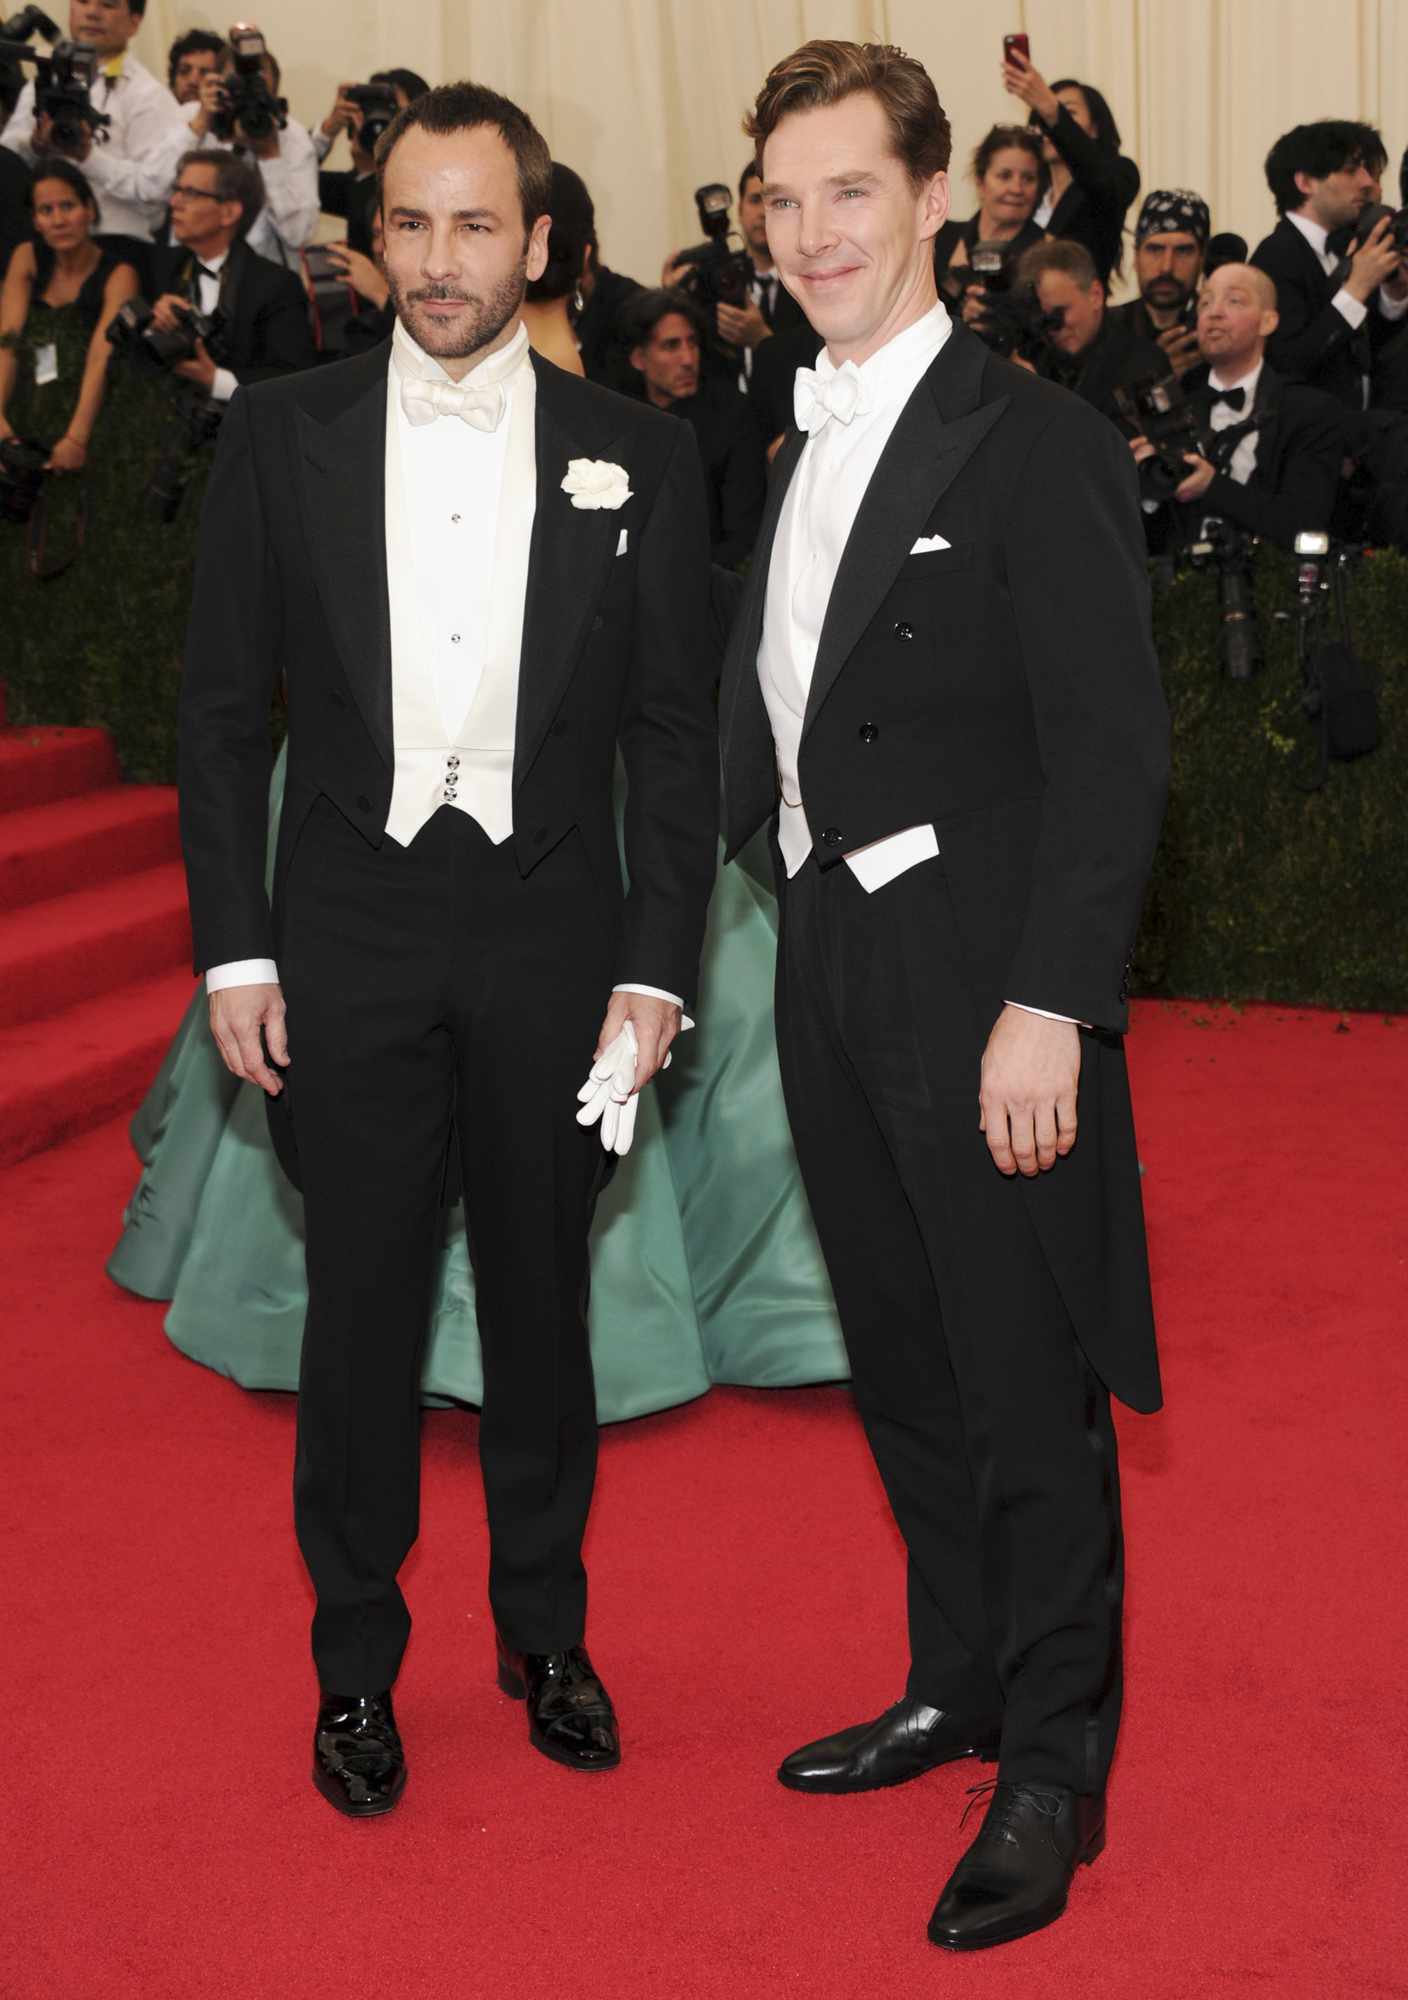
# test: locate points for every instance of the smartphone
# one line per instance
(1018, 49)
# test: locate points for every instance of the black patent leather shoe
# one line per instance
(1016, 1875)
(570, 1716)
(905, 1742)
(358, 1763)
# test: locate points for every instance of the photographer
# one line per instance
(736, 328)
(1089, 351)
(1335, 311)
(352, 195)
(1282, 475)
(663, 332)
(60, 293)
(131, 171)
(1010, 174)
(193, 56)
(1092, 183)
(1170, 243)
(283, 152)
(263, 310)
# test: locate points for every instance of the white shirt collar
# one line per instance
(1217, 380)
(1315, 233)
(216, 264)
(894, 369)
(412, 362)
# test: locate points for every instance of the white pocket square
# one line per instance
(928, 543)
(621, 543)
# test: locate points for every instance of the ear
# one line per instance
(637, 359)
(935, 208)
(1270, 320)
(537, 258)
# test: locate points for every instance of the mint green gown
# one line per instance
(705, 1266)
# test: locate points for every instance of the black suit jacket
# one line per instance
(352, 196)
(1093, 208)
(1117, 356)
(266, 331)
(291, 580)
(1301, 440)
(1314, 342)
(16, 221)
(597, 330)
(1004, 689)
(733, 453)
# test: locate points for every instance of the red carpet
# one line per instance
(164, 1839)
(94, 936)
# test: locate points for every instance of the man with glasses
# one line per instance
(264, 314)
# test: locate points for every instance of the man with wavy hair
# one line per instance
(941, 690)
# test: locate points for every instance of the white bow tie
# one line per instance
(816, 397)
(424, 401)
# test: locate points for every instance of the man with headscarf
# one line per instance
(1170, 246)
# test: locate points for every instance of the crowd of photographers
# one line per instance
(1263, 392)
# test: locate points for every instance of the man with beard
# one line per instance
(479, 576)
(1170, 239)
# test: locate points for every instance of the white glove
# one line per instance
(609, 1093)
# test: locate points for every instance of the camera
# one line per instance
(1011, 323)
(1227, 551)
(378, 106)
(249, 109)
(133, 331)
(14, 34)
(196, 426)
(1370, 218)
(717, 275)
(22, 463)
(1158, 410)
(62, 79)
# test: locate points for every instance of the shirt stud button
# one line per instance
(903, 631)
(867, 732)
(456, 519)
(454, 638)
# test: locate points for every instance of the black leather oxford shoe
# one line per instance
(570, 1716)
(358, 1763)
(906, 1741)
(1016, 1875)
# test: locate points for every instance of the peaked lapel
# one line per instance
(746, 635)
(939, 429)
(569, 557)
(342, 462)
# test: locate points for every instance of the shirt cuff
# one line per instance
(1350, 308)
(1046, 1015)
(1389, 306)
(659, 993)
(322, 144)
(223, 387)
(241, 972)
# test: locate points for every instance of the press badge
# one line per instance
(46, 364)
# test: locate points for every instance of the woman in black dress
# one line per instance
(60, 293)
(1092, 182)
(1010, 176)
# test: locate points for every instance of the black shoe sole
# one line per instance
(985, 1753)
(339, 1801)
(1015, 1931)
(514, 1687)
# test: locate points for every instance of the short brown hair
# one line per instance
(824, 72)
(460, 107)
(236, 179)
(1057, 253)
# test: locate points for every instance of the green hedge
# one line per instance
(1260, 891)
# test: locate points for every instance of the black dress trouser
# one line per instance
(992, 1434)
(435, 999)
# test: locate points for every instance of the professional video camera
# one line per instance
(1226, 550)
(62, 79)
(248, 108)
(378, 106)
(22, 463)
(1158, 409)
(133, 332)
(717, 275)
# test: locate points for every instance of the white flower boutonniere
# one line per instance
(596, 482)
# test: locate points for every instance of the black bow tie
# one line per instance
(1235, 399)
(205, 271)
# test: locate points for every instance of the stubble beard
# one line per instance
(457, 340)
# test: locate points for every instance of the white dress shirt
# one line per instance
(289, 218)
(828, 485)
(133, 167)
(460, 503)
(208, 288)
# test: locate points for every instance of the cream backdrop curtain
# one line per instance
(644, 97)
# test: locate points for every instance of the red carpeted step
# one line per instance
(62, 1075)
(77, 843)
(39, 765)
(78, 947)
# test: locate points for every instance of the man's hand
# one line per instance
(1198, 480)
(45, 142)
(672, 270)
(209, 105)
(169, 310)
(1374, 263)
(360, 272)
(1027, 1095)
(200, 369)
(237, 1014)
(344, 116)
(656, 1023)
(742, 326)
(1180, 344)
(1021, 80)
